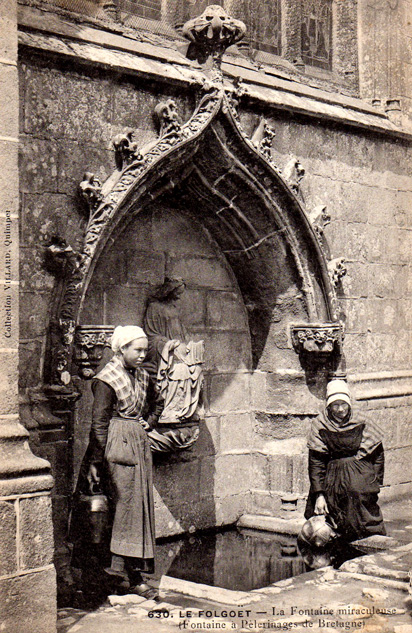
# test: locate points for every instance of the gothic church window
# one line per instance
(316, 33)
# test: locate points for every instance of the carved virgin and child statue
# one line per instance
(175, 365)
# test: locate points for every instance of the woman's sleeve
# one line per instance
(317, 470)
(102, 411)
(378, 459)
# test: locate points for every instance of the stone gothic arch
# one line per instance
(251, 209)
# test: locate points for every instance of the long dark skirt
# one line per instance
(129, 488)
(351, 492)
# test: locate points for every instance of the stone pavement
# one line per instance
(367, 594)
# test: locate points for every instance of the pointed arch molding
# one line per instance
(246, 202)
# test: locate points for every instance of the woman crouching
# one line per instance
(120, 452)
(346, 467)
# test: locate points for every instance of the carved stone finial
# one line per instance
(294, 173)
(337, 270)
(91, 190)
(59, 255)
(319, 218)
(168, 117)
(125, 149)
(263, 139)
(211, 33)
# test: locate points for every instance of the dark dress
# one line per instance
(349, 483)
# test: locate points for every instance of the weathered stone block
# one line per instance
(229, 392)
(357, 313)
(227, 350)
(225, 310)
(33, 275)
(8, 21)
(39, 165)
(356, 282)
(29, 603)
(125, 306)
(258, 390)
(280, 473)
(67, 105)
(9, 176)
(35, 532)
(177, 481)
(279, 427)
(404, 246)
(71, 166)
(200, 271)
(94, 305)
(30, 356)
(290, 394)
(230, 508)
(8, 382)
(192, 308)
(144, 267)
(402, 208)
(207, 476)
(208, 441)
(404, 436)
(9, 98)
(398, 466)
(57, 453)
(232, 474)
(260, 474)
(355, 352)
(235, 431)
(384, 315)
(382, 245)
(8, 537)
(46, 215)
(34, 314)
(178, 234)
(356, 242)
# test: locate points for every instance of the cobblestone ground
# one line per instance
(368, 594)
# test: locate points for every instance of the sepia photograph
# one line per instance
(206, 359)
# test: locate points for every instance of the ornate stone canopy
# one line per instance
(246, 203)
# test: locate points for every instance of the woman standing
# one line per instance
(120, 452)
(346, 467)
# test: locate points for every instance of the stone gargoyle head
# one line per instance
(211, 33)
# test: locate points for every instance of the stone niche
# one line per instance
(200, 486)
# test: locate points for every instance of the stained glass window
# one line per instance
(149, 9)
(262, 18)
(316, 33)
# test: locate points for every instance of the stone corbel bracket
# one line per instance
(317, 338)
(89, 344)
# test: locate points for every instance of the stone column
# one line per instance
(291, 21)
(27, 576)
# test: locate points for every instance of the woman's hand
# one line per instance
(321, 507)
(93, 476)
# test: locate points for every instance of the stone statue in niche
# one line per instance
(174, 361)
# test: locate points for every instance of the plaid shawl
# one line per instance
(371, 436)
(130, 397)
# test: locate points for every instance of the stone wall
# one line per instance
(365, 181)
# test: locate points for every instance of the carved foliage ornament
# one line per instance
(211, 33)
(317, 338)
(90, 341)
